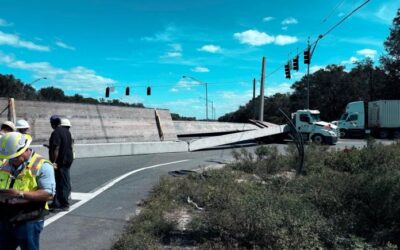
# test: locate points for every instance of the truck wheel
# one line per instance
(396, 134)
(318, 139)
(383, 134)
(342, 133)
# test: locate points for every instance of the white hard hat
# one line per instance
(9, 124)
(13, 144)
(22, 124)
(65, 122)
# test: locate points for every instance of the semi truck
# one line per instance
(380, 119)
(309, 124)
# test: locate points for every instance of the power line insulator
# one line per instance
(127, 91)
(107, 92)
(148, 90)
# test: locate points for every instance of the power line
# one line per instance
(322, 36)
(177, 85)
(333, 11)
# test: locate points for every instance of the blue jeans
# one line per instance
(24, 235)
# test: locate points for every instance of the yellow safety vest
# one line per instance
(19, 209)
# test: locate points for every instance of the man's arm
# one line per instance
(38, 195)
(55, 156)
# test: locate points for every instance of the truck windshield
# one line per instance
(344, 116)
(315, 117)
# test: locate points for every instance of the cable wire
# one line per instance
(322, 36)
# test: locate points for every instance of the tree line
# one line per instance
(12, 87)
(332, 87)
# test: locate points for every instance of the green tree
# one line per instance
(391, 61)
(52, 94)
(11, 87)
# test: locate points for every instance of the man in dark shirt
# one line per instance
(61, 155)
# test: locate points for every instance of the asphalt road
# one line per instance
(102, 204)
(106, 191)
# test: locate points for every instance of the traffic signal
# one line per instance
(148, 91)
(127, 90)
(296, 63)
(107, 91)
(307, 56)
(287, 71)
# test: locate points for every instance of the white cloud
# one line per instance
(196, 109)
(351, 60)
(284, 27)
(278, 88)
(315, 68)
(15, 41)
(77, 79)
(268, 18)
(289, 20)
(254, 37)
(164, 36)
(371, 53)
(174, 52)
(283, 40)
(200, 69)
(257, 38)
(386, 13)
(210, 48)
(362, 41)
(176, 46)
(4, 23)
(64, 45)
(185, 84)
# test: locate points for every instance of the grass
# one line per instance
(345, 200)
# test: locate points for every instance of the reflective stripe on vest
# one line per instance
(26, 179)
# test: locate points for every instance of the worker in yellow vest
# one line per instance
(26, 184)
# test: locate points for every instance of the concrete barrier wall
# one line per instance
(94, 123)
(202, 127)
(119, 149)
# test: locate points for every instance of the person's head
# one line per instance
(55, 121)
(22, 126)
(65, 123)
(7, 126)
(14, 147)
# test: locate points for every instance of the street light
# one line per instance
(36, 80)
(212, 108)
(194, 79)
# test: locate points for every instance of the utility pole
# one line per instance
(262, 90)
(254, 98)
(310, 55)
(308, 75)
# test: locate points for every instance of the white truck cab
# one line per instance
(309, 124)
(353, 119)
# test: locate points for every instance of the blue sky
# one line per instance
(84, 46)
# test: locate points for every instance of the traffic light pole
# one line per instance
(308, 67)
(308, 79)
(261, 117)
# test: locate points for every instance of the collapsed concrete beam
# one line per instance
(236, 137)
(118, 149)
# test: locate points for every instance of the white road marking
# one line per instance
(81, 196)
(85, 197)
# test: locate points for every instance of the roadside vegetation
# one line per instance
(344, 200)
